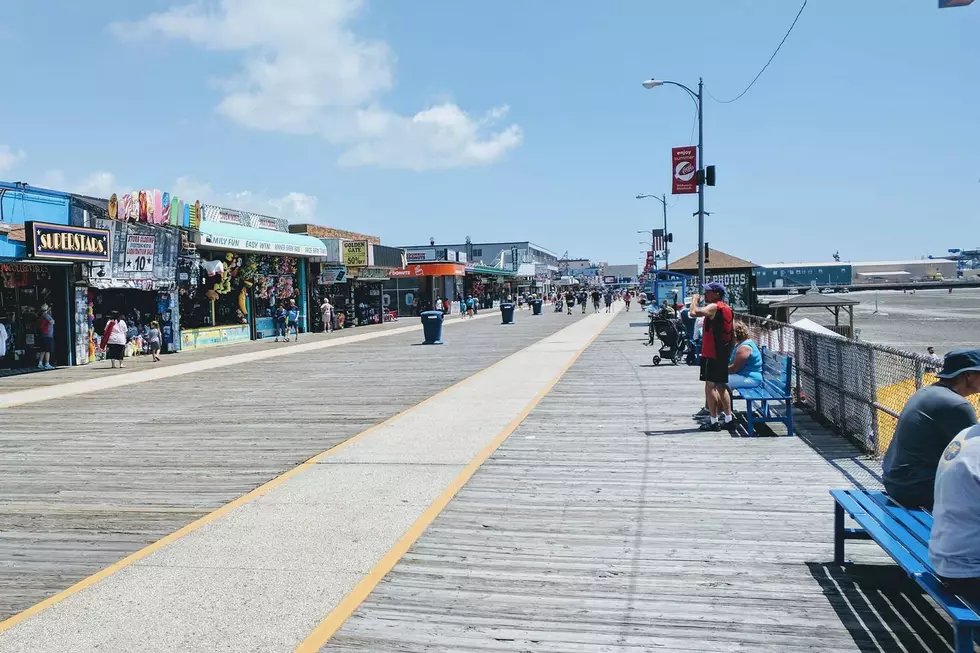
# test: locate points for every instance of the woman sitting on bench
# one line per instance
(745, 364)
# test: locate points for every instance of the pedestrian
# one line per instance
(583, 299)
(154, 340)
(715, 354)
(935, 362)
(628, 297)
(462, 306)
(470, 306)
(45, 327)
(281, 321)
(520, 301)
(609, 301)
(114, 339)
(437, 306)
(569, 300)
(595, 300)
(292, 319)
(326, 312)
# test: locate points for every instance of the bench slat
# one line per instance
(911, 543)
(903, 515)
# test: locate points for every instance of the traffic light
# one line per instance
(670, 238)
(707, 252)
(709, 175)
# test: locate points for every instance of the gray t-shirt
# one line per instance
(954, 545)
(929, 421)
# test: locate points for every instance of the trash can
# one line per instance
(506, 312)
(536, 306)
(432, 327)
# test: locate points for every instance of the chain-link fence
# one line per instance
(858, 387)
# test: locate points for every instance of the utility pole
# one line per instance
(666, 243)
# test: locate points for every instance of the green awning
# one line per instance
(489, 271)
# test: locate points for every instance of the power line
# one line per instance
(756, 78)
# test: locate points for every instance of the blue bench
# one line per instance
(777, 386)
(904, 535)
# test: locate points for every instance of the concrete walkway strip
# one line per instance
(34, 395)
(285, 567)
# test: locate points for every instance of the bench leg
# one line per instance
(749, 418)
(789, 417)
(962, 639)
(838, 534)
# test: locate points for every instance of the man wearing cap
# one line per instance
(716, 348)
(930, 420)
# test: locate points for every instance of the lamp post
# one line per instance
(699, 101)
(662, 200)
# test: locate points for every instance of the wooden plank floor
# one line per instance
(88, 479)
(606, 523)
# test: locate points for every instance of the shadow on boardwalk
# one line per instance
(882, 609)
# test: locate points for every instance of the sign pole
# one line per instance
(700, 180)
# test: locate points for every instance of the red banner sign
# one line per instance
(685, 168)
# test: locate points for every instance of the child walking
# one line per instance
(154, 339)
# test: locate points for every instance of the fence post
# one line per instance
(919, 373)
(796, 357)
(873, 384)
(815, 352)
(841, 406)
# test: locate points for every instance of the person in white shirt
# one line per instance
(114, 339)
(326, 311)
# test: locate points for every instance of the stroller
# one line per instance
(559, 305)
(672, 335)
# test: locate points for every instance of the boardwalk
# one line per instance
(603, 522)
(92, 478)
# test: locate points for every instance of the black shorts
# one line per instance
(714, 370)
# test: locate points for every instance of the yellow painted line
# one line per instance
(132, 558)
(339, 615)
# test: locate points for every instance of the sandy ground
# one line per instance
(913, 322)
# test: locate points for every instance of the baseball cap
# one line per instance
(959, 361)
(715, 286)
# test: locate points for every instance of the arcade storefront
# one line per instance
(43, 276)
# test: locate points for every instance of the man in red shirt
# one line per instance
(716, 348)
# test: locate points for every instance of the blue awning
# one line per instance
(236, 238)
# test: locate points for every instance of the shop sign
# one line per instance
(609, 279)
(55, 241)
(139, 253)
(21, 267)
(355, 253)
(373, 274)
(332, 275)
(229, 216)
(264, 222)
(429, 270)
(420, 255)
(253, 245)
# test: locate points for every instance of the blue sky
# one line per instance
(508, 120)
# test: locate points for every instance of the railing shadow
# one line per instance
(882, 609)
(842, 454)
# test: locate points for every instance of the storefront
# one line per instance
(418, 286)
(249, 265)
(40, 273)
(488, 285)
(138, 281)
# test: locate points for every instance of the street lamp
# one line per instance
(699, 101)
(663, 201)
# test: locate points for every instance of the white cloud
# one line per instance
(294, 206)
(10, 157)
(304, 71)
(97, 184)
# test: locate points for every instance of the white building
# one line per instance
(898, 271)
